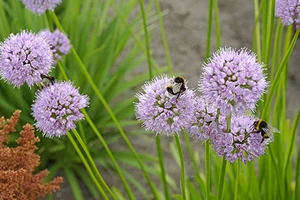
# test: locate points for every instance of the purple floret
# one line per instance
(241, 142)
(162, 114)
(40, 6)
(24, 57)
(233, 80)
(288, 11)
(57, 108)
(59, 43)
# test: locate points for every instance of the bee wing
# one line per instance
(269, 130)
(274, 130)
(176, 87)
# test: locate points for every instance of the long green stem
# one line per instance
(222, 178)
(146, 38)
(207, 169)
(224, 163)
(209, 27)
(192, 156)
(182, 175)
(217, 21)
(237, 180)
(108, 109)
(257, 30)
(162, 167)
(117, 167)
(85, 163)
(94, 167)
(164, 38)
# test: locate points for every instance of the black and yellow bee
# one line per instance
(47, 80)
(176, 88)
(264, 129)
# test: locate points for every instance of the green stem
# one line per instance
(146, 38)
(164, 38)
(209, 27)
(117, 167)
(61, 69)
(182, 175)
(108, 109)
(237, 180)
(94, 167)
(269, 30)
(217, 19)
(192, 156)
(224, 163)
(207, 169)
(162, 167)
(222, 178)
(257, 30)
(89, 170)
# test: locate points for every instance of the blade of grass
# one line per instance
(275, 81)
(73, 182)
(291, 144)
(297, 185)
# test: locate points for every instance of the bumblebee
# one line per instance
(264, 129)
(176, 88)
(47, 80)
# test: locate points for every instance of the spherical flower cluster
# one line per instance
(57, 108)
(160, 113)
(233, 80)
(288, 11)
(205, 120)
(40, 6)
(242, 141)
(24, 57)
(59, 43)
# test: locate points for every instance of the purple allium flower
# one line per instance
(24, 57)
(233, 80)
(57, 108)
(59, 43)
(288, 11)
(205, 120)
(241, 142)
(40, 6)
(160, 113)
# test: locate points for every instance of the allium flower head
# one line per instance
(233, 79)
(24, 57)
(57, 108)
(288, 11)
(40, 6)
(59, 43)
(205, 120)
(241, 142)
(160, 113)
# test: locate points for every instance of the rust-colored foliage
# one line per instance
(17, 180)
